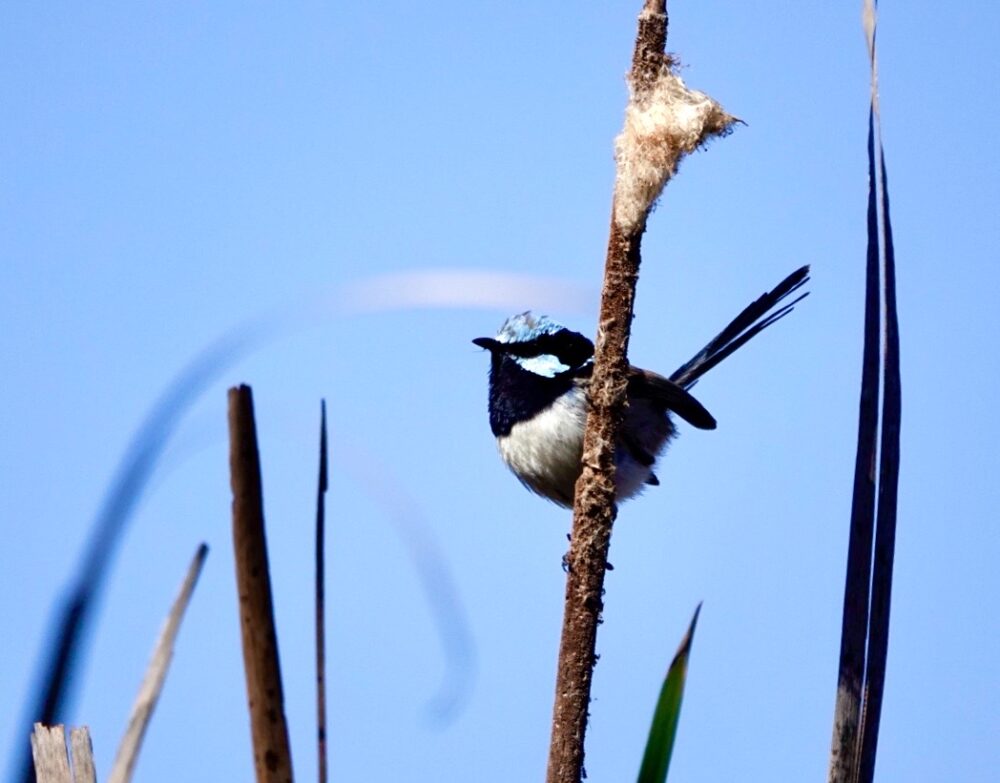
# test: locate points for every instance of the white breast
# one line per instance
(545, 451)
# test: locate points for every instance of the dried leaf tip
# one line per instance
(664, 121)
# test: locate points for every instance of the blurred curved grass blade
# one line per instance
(660, 745)
(65, 646)
(376, 479)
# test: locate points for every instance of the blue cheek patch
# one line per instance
(546, 365)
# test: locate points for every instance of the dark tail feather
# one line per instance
(754, 319)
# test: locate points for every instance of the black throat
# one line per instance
(518, 395)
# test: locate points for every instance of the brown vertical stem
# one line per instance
(593, 516)
(272, 758)
(594, 510)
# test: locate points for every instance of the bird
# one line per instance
(538, 384)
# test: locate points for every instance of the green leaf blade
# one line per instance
(660, 744)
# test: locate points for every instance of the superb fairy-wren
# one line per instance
(539, 374)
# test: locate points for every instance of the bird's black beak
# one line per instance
(488, 343)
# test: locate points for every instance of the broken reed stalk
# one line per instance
(663, 122)
(82, 755)
(156, 675)
(272, 757)
(52, 764)
(48, 749)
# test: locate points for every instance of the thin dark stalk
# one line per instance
(265, 695)
(321, 747)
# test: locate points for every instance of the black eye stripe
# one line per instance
(571, 348)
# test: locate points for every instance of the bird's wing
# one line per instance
(663, 391)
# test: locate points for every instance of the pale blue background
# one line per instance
(168, 171)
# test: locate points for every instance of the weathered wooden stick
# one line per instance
(48, 749)
(272, 756)
(82, 754)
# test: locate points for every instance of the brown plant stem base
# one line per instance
(268, 728)
(593, 514)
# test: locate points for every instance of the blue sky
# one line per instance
(167, 173)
